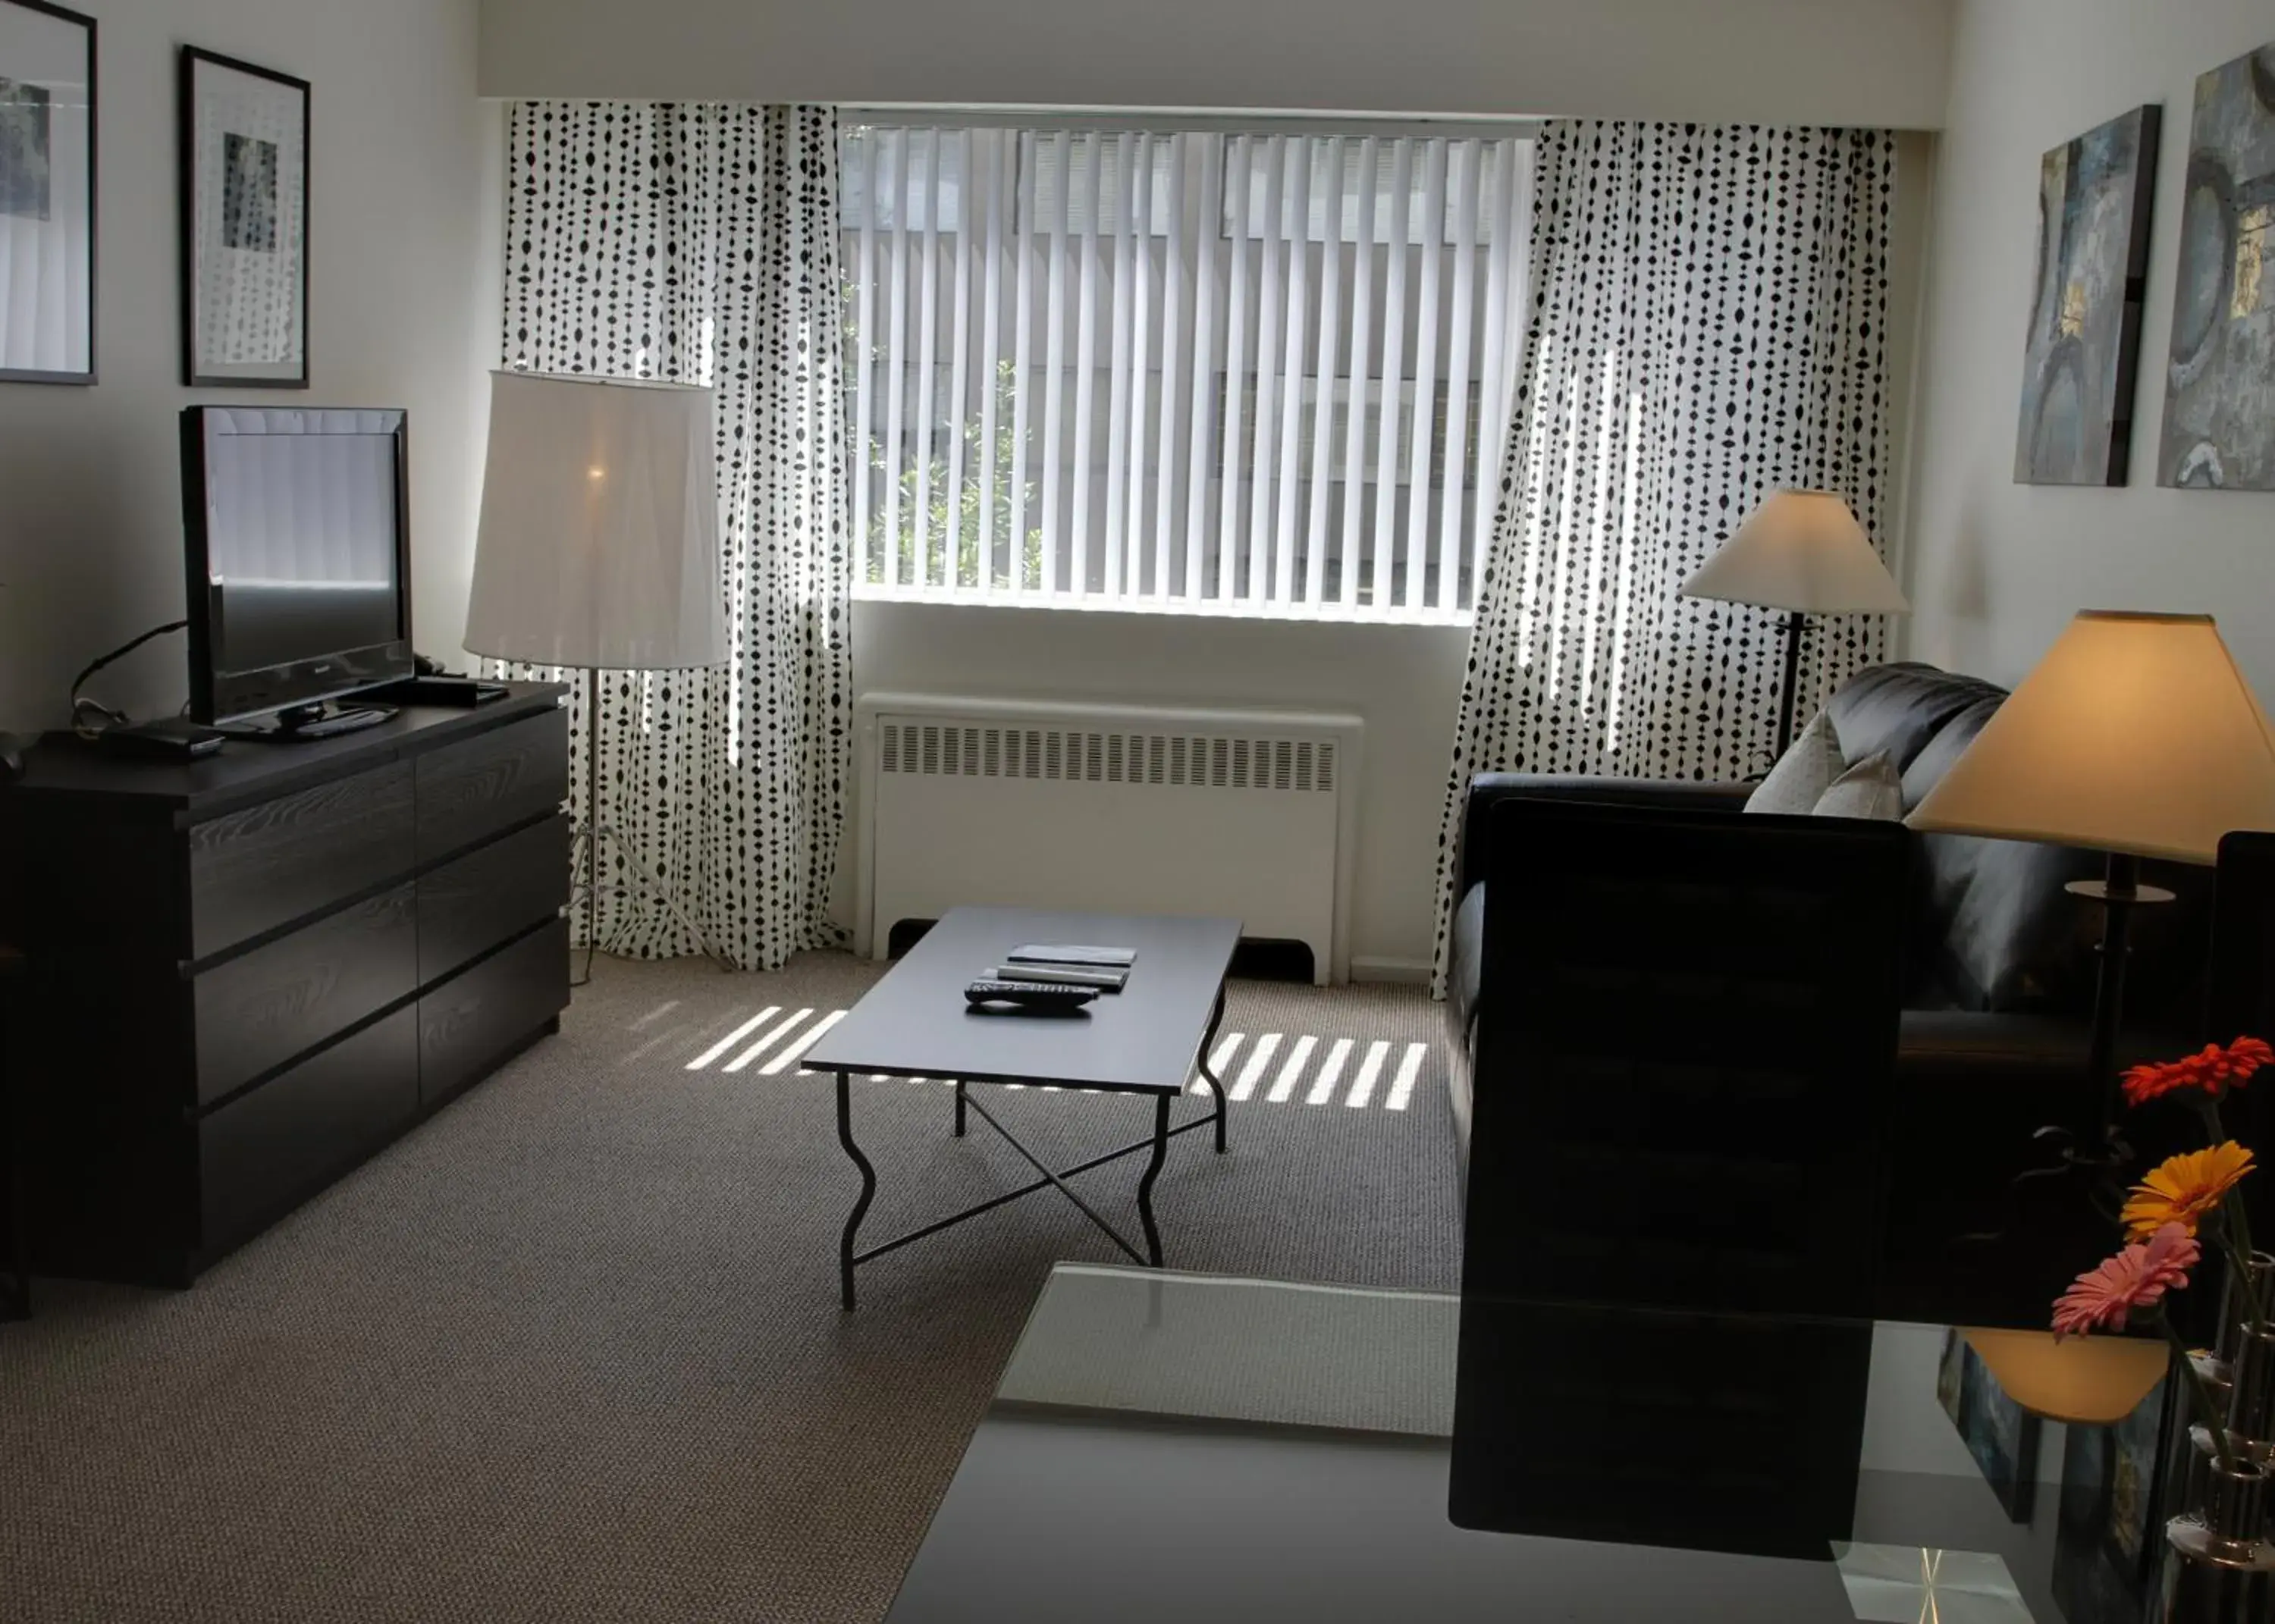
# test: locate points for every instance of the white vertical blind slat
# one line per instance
(1300, 153)
(896, 344)
(1232, 396)
(1023, 377)
(1141, 334)
(1054, 369)
(1324, 373)
(1270, 282)
(1176, 347)
(1462, 175)
(1493, 397)
(1394, 377)
(1117, 396)
(1085, 367)
(1361, 388)
(926, 423)
(959, 357)
(1428, 232)
(1206, 354)
(990, 350)
(865, 353)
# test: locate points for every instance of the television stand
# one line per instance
(297, 723)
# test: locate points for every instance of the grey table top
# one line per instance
(1167, 1445)
(1143, 1039)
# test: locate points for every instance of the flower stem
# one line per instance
(2206, 1411)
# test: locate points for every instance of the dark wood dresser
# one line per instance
(246, 974)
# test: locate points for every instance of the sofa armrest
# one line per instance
(1489, 789)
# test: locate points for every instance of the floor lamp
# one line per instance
(2137, 737)
(1803, 551)
(599, 550)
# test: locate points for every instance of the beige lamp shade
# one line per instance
(1801, 550)
(599, 542)
(2082, 1381)
(2136, 734)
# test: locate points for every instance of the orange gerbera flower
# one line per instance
(2182, 1189)
(2213, 1068)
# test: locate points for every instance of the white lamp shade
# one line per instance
(2136, 734)
(1801, 550)
(599, 544)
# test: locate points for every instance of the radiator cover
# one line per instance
(1128, 809)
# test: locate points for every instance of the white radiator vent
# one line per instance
(965, 750)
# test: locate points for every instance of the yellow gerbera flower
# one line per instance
(2183, 1189)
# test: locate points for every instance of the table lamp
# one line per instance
(1803, 552)
(598, 549)
(2136, 735)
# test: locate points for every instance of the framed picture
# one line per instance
(2081, 359)
(2219, 390)
(47, 194)
(2001, 1436)
(244, 153)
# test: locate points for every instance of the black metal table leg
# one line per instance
(1153, 1171)
(868, 1186)
(1216, 1083)
(959, 1108)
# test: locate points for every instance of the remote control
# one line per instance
(1011, 997)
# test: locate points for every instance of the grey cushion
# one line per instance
(1872, 788)
(1466, 971)
(1804, 774)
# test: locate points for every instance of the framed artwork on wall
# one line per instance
(244, 155)
(46, 193)
(2219, 383)
(2082, 360)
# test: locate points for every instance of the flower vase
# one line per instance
(2219, 1568)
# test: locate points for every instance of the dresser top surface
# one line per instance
(240, 773)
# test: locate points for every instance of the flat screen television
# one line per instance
(297, 540)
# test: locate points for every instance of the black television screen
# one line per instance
(298, 555)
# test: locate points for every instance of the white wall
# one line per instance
(1996, 568)
(1404, 679)
(90, 504)
(1844, 62)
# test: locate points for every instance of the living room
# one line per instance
(541, 1134)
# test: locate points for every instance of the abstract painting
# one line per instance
(2105, 1538)
(2000, 1433)
(2219, 388)
(47, 194)
(2084, 346)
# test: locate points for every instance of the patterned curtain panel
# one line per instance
(1709, 323)
(699, 242)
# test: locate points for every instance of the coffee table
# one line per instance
(1147, 1038)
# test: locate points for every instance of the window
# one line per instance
(1260, 374)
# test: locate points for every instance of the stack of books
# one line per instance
(1106, 969)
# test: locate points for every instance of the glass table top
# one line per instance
(1166, 1445)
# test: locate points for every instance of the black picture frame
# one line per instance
(92, 215)
(274, 217)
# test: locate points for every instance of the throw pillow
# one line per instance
(1872, 788)
(1804, 774)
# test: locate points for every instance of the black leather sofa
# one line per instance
(1998, 986)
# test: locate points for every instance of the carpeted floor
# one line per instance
(573, 1350)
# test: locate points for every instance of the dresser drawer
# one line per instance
(259, 1155)
(471, 791)
(263, 866)
(261, 1009)
(471, 1021)
(467, 907)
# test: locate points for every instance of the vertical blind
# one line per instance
(1182, 370)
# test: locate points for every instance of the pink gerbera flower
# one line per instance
(2137, 1277)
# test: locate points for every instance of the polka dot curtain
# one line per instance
(699, 242)
(1709, 323)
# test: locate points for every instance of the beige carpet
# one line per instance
(573, 1350)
